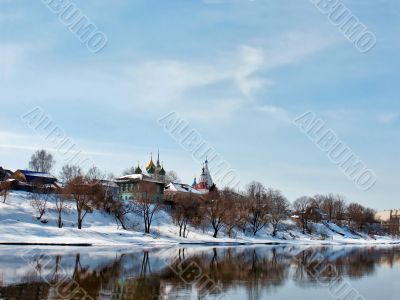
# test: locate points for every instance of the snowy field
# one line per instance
(18, 224)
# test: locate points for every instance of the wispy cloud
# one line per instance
(11, 56)
(275, 112)
(389, 117)
(170, 82)
(228, 81)
(251, 59)
(292, 47)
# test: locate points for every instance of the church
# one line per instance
(155, 171)
(152, 183)
(199, 188)
(139, 185)
(205, 183)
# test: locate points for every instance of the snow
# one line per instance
(140, 177)
(184, 188)
(132, 176)
(18, 224)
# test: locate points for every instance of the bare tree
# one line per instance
(184, 210)
(279, 209)
(214, 211)
(301, 206)
(355, 213)
(231, 219)
(94, 174)
(110, 176)
(41, 161)
(236, 213)
(119, 209)
(327, 204)
(147, 205)
(60, 207)
(129, 171)
(40, 197)
(340, 208)
(316, 201)
(362, 217)
(242, 210)
(5, 188)
(69, 172)
(333, 205)
(259, 207)
(87, 193)
(369, 217)
(171, 176)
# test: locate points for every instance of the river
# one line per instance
(201, 272)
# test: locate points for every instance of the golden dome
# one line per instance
(151, 167)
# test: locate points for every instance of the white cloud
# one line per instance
(251, 60)
(215, 109)
(166, 82)
(229, 81)
(278, 113)
(169, 82)
(388, 118)
(11, 56)
(295, 46)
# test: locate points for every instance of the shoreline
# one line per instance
(207, 244)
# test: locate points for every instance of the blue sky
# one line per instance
(240, 71)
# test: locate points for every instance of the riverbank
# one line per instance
(18, 226)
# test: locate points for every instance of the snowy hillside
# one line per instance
(18, 224)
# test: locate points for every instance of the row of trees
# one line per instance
(230, 211)
(259, 207)
(332, 208)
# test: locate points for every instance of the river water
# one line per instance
(201, 272)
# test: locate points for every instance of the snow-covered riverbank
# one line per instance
(19, 225)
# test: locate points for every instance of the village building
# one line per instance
(390, 220)
(5, 174)
(110, 188)
(148, 186)
(33, 177)
(30, 181)
(176, 190)
(199, 188)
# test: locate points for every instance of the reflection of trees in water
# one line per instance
(145, 285)
(29, 291)
(325, 265)
(145, 275)
(264, 273)
(311, 267)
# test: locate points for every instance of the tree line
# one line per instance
(259, 207)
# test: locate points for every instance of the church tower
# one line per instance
(157, 170)
(151, 167)
(138, 170)
(209, 180)
(205, 182)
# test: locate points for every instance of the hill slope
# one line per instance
(18, 224)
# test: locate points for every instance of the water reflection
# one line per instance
(181, 273)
